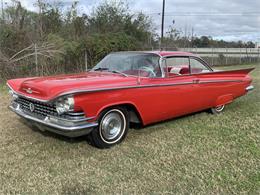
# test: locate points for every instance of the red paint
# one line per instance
(178, 96)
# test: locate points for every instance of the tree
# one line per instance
(109, 17)
(110, 27)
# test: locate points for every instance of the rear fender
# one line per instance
(224, 99)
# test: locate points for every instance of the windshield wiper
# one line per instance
(100, 69)
(113, 71)
(118, 72)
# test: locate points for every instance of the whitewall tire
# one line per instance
(112, 129)
(217, 109)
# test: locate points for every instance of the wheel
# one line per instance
(217, 109)
(112, 129)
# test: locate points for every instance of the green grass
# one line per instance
(200, 153)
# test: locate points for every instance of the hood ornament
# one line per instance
(29, 90)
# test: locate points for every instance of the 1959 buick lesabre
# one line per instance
(125, 87)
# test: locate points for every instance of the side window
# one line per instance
(197, 67)
(177, 66)
(149, 66)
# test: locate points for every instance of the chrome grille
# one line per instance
(42, 109)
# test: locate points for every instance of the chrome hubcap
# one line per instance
(111, 125)
(220, 108)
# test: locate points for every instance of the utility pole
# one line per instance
(162, 27)
(192, 36)
(185, 36)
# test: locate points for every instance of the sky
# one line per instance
(230, 20)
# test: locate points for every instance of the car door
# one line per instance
(205, 93)
(171, 95)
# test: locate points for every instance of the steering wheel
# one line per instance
(149, 70)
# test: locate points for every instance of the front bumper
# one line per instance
(65, 128)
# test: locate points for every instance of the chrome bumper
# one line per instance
(73, 129)
(250, 88)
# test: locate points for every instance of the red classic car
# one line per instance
(125, 87)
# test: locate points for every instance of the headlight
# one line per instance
(64, 105)
(12, 94)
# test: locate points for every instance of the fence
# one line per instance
(214, 56)
(226, 56)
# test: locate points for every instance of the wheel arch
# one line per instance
(134, 114)
(224, 99)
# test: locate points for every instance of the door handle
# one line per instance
(195, 81)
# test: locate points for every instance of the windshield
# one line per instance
(137, 64)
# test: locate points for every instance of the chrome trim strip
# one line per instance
(71, 120)
(119, 88)
(220, 81)
(75, 113)
(250, 88)
(28, 97)
(144, 86)
(46, 122)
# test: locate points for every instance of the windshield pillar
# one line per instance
(162, 64)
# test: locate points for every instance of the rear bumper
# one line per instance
(72, 129)
(250, 88)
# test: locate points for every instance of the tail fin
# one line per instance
(239, 71)
(246, 71)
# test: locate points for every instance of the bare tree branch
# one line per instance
(27, 48)
(25, 56)
(46, 50)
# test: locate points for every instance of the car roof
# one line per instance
(162, 53)
(171, 53)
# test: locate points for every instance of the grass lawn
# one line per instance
(200, 153)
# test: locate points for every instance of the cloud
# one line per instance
(227, 19)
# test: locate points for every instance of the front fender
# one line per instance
(93, 104)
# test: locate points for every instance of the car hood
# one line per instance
(47, 88)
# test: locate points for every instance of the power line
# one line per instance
(207, 13)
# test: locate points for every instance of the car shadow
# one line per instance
(54, 135)
(133, 126)
(141, 127)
